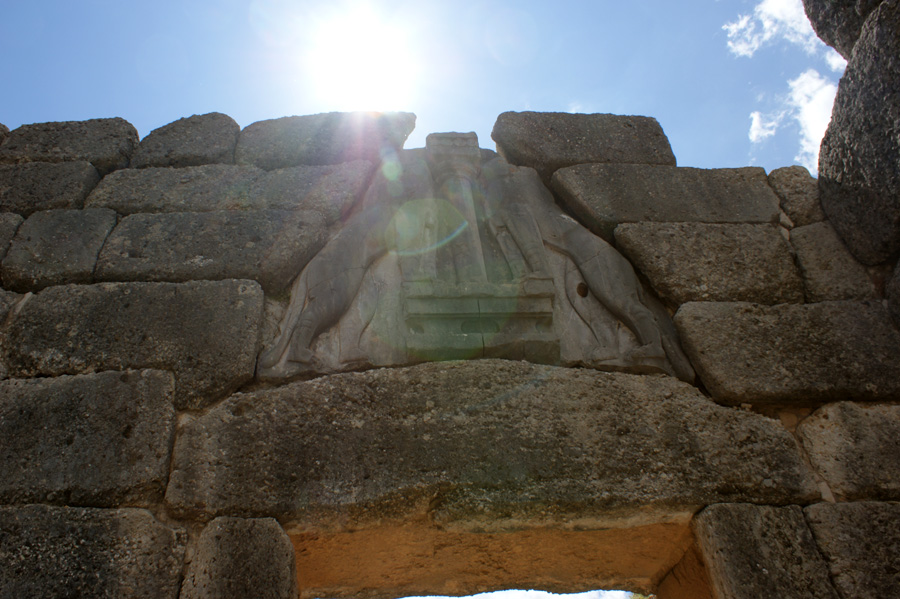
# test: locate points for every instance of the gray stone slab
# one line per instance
(55, 552)
(34, 186)
(269, 246)
(106, 143)
(761, 551)
(205, 332)
(327, 138)
(829, 271)
(548, 141)
(602, 196)
(55, 247)
(241, 558)
(799, 194)
(855, 449)
(861, 543)
(713, 262)
(489, 444)
(192, 141)
(97, 439)
(9, 224)
(800, 354)
(838, 22)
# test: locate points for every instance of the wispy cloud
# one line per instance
(771, 20)
(763, 126)
(811, 97)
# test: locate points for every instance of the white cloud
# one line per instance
(762, 127)
(811, 99)
(835, 61)
(771, 19)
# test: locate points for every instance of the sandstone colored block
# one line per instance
(838, 22)
(548, 141)
(82, 552)
(192, 141)
(488, 444)
(861, 544)
(34, 186)
(106, 143)
(205, 332)
(761, 551)
(9, 224)
(859, 159)
(56, 247)
(713, 262)
(803, 354)
(327, 138)
(96, 439)
(855, 449)
(602, 196)
(242, 559)
(269, 246)
(799, 194)
(829, 271)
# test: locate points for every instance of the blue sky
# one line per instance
(733, 82)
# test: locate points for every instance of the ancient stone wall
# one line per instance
(716, 416)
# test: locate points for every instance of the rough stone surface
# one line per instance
(799, 194)
(192, 141)
(548, 141)
(805, 354)
(488, 444)
(106, 143)
(242, 559)
(327, 138)
(713, 262)
(859, 160)
(4, 132)
(838, 22)
(49, 552)
(9, 224)
(761, 551)
(205, 332)
(33, 186)
(829, 271)
(856, 449)
(270, 246)
(861, 543)
(892, 292)
(603, 195)
(97, 439)
(56, 247)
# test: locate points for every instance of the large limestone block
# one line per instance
(9, 224)
(713, 262)
(839, 22)
(830, 272)
(603, 195)
(327, 138)
(488, 444)
(106, 143)
(811, 353)
(859, 160)
(205, 332)
(192, 141)
(799, 194)
(269, 246)
(96, 439)
(48, 552)
(241, 558)
(56, 247)
(33, 186)
(856, 449)
(760, 551)
(861, 543)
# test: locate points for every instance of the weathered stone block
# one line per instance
(205, 332)
(605, 195)
(488, 444)
(799, 194)
(856, 449)
(34, 186)
(56, 247)
(106, 143)
(713, 262)
(327, 138)
(270, 246)
(807, 354)
(192, 141)
(830, 272)
(97, 439)
(761, 551)
(79, 552)
(838, 22)
(242, 559)
(4, 132)
(892, 292)
(9, 224)
(861, 543)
